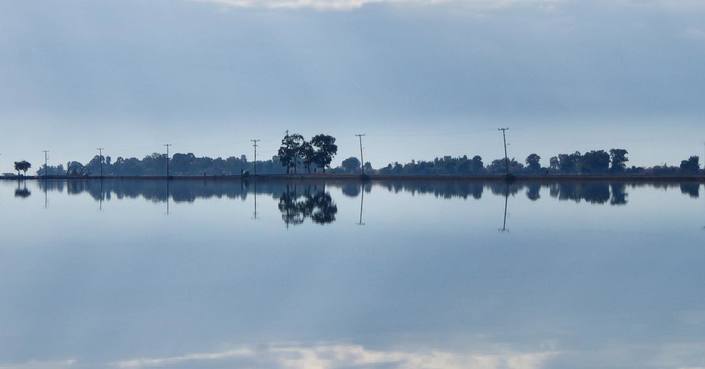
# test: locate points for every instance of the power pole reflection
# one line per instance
(506, 204)
(167, 196)
(362, 203)
(255, 190)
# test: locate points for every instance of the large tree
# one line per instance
(325, 150)
(290, 151)
(690, 166)
(307, 155)
(619, 159)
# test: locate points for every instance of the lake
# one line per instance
(323, 275)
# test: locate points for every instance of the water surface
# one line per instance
(318, 275)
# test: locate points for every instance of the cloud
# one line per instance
(343, 356)
(355, 4)
(33, 364)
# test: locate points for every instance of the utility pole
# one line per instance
(100, 153)
(46, 153)
(254, 144)
(167, 159)
(506, 157)
(362, 159)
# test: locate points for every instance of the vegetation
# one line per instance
(295, 151)
(22, 166)
(296, 155)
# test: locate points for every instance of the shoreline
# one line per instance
(376, 177)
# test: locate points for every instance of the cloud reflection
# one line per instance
(331, 356)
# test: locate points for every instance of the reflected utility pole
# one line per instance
(102, 195)
(506, 157)
(254, 144)
(167, 160)
(362, 202)
(46, 159)
(167, 197)
(362, 158)
(100, 157)
(255, 215)
(506, 203)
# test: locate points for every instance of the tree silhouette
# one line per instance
(22, 166)
(533, 162)
(308, 155)
(691, 166)
(595, 162)
(326, 149)
(351, 164)
(619, 159)
(290, 151)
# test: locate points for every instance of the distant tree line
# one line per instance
(592, 162)
(297, 155)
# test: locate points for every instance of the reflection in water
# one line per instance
(691, 189)
(362, 204)
(424, 286)
(312, 202)
(341, 356)
(506, 205)
(22, 192)
(613, 193)
(301, 200)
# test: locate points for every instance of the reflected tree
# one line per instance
(533, 192)
(691, 189)
(619, 194)
(312, 203)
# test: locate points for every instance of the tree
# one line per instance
(691, 166)
(568, 163)
(554, 163)
(533, 162)
(500, 166)
(326, 149)
(76, 169)
(290, 151)
(22, 166)
(595, 162)
(351, 164)
(619, 159)
(308, 155)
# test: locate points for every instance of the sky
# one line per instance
(421, 78)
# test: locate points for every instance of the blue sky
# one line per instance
(420, 77)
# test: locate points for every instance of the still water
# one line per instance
(328, 275)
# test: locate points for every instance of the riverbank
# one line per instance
(376, 177)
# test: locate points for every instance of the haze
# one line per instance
(422, 78)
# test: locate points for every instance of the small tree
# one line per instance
(533, 162)
(22, 166)
(351, 164)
